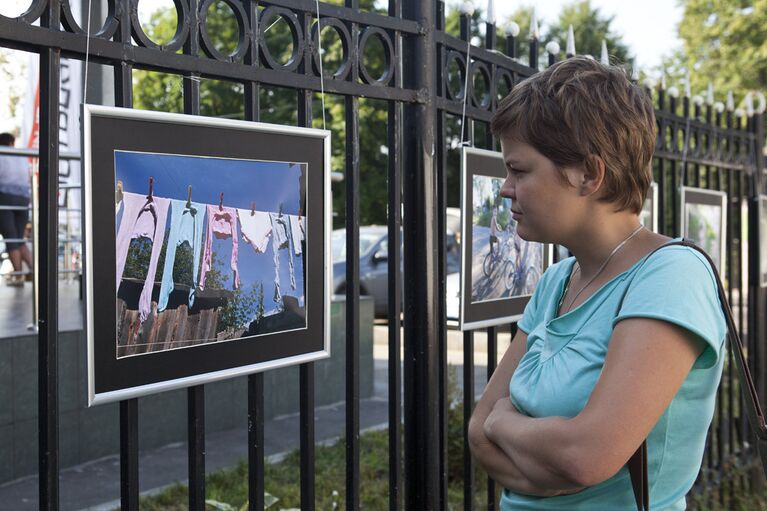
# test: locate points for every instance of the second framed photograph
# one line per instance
(762, 212)
(703, 218)
(216, 236)
(499, 270)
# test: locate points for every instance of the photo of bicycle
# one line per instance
(503, 264)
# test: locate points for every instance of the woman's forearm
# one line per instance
(504, 470)
(539, 447)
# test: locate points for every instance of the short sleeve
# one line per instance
(534, 307)
(677, 285)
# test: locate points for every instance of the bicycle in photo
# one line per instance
(498, 256)
(518, 272)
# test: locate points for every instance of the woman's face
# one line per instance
(545, 208)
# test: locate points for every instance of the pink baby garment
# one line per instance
(142, 219)
(222, 223)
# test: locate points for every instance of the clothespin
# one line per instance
(221, 201)
(189, 196)
(119, 192)
(252, 208)
(150, 197)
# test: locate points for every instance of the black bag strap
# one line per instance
(637, 464)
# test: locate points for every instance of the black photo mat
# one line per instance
(480, 313)
(110, 130)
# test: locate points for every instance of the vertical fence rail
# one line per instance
(48, 397)
(394, 286)
(256, 451)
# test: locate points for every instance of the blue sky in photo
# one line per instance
(242, 182)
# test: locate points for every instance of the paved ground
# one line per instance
(96, 485)
(16, 308)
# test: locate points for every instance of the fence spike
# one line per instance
(491, 12)
(534, 32)
(762, 102)
(605, 57)
(710, 94)
(750, 104)
(570, 51)
(730, 101)
(687, 88)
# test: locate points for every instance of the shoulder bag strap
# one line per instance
(637, 464)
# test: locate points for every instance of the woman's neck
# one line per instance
(592, 246)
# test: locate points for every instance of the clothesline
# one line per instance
(146, 217)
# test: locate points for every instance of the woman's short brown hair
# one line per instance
(579, 108)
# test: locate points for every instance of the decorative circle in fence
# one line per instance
(376, 58)
(272, 31)
(504, 82)
(33, 10)
(455, 75)
(178, 39)
(333, 32)
(105, 29)
(481, 95)
(226, 51)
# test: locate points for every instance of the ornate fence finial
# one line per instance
(534, 32)
(710, 94)
(730, 101)
(663, 80)
(635, 73)
(491, 12)
(719, 107)
(739, 112)
(673, 91)
(552, 48)
(762, 103)
(698, 100)
(467, 8)
(570, 48)
(750, 103)
(605, 57)
(512, 29)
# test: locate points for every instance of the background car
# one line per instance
(374, 268)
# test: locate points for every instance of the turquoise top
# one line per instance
(565, 356)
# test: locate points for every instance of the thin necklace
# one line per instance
(604, 265)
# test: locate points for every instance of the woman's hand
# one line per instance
(502, 411)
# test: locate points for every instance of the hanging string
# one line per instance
(87, 53)
(319, 54)
(466, 91)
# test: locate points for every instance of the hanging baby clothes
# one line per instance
(296, 233)
(222, 222)
(186, 224)
(256, 227)
(279, 238)
(142, 218)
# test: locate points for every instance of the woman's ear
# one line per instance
(592, 175)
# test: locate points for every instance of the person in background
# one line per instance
(14, 192)
(494, 228)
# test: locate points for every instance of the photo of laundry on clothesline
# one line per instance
(207, 250)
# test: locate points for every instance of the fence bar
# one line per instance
(129, 442)
(352, 179)
(394, 224)
(492, 363)
(129, 487)
(306, 405)
(256, 448)
(421, 365)
(47, 356)
(468, 408)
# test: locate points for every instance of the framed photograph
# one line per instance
(649, 214)
(703, 218)
(499, 270)
(216, 236)
(762, 211)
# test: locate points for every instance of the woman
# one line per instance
(614, 347)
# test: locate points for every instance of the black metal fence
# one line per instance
(426, 91)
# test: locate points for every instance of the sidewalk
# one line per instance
(96, 485)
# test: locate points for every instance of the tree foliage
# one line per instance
(725, 42)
